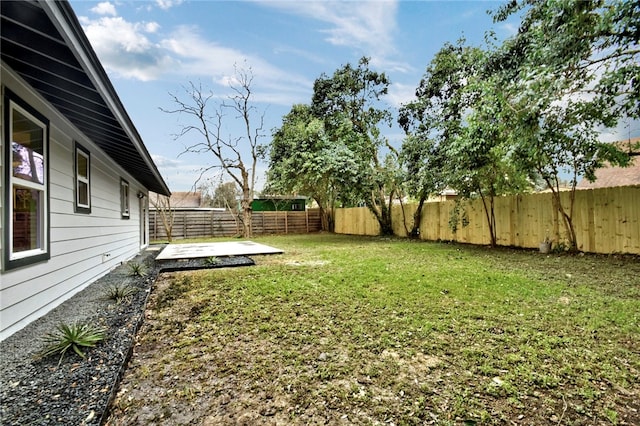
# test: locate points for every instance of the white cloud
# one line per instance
(151, 27)
(125, 49)
(139, 50)
(400, 94)
(168, 4)
(165, 162)
(185, 174)
(367, 26)
(200, 57)
(104, 8)
(625, 130)
(179, 174)
(509, 28)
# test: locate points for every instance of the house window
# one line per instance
(124, 199)
(83, 179)
(27, 195)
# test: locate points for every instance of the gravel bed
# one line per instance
(38, 391)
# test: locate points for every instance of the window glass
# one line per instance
(27, 219)
(83, 194)
(124, 198)
(27, 145)
(83, 165)
(82, 172)
(26, 182)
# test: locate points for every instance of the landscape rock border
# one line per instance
(79, 391)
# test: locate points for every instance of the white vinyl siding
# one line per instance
(83, 247)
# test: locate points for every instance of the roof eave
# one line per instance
(63, 17)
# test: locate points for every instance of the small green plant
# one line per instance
(611, 415)
(137, 269)
(211, 260)
(120, 292)
(72, 336)
(561, 247)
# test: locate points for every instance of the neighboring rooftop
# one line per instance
(608, 177)
(181, 199)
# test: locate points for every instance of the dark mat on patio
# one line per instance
(194, 264)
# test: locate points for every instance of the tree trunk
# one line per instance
(567, 221)
(490, 215)
(417, 218)
(245, 204)
(567, 218)
(382, 212)
(386, 225)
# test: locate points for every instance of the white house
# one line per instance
(75, 172)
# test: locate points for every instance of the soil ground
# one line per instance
(501, 336)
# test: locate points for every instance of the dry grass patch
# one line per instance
(350, 330)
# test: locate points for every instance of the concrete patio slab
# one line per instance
(200, 250)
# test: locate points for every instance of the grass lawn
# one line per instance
(362, 330)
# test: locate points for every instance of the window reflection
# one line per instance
(27, 148)
(26, 219)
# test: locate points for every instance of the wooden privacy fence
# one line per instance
(606, 220)
(197, 223)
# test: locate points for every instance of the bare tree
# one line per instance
(162, 204)
(207, 125)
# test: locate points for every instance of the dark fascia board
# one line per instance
(64, 18)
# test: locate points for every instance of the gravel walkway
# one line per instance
(36, 391)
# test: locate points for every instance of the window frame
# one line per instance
(125, 203)
(15, 259)
(78, 179)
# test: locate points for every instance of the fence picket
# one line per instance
(607, 220)
(199, 223)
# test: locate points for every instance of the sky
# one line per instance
(153, 49)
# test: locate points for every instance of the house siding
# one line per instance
(78, 241)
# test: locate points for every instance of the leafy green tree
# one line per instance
(571, 71)
(305, 160)
(422, 162)
(432, 121)
(455, 137)
(480, 162)
(216, 193)
(354, 94)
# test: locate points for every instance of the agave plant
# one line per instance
(211, 260)
(137, 269)
(74, 336)
(120, 292)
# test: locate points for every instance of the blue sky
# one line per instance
(152, 48)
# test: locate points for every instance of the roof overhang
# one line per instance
(44, 43)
